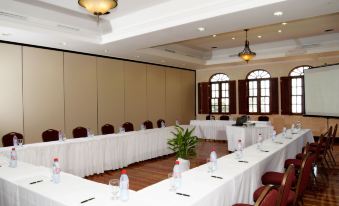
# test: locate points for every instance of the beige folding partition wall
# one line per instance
(11, 110)
(173, 96)
(135, 93)
(156, 93)
(188, 96)
(43, 93)
(111, 103)
(80, 92)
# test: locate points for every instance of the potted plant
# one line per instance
(184, 145)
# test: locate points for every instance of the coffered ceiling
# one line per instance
(165, 31)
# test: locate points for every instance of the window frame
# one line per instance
(258, 80)
(219, 83)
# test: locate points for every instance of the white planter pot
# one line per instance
(184, 164)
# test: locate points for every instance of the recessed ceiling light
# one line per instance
(63, 43)
(214, 35)
(233, 38)
(6, 34)
(284, 23)
(201, 28)
(279, 31)
(259, 36)
(278, 13)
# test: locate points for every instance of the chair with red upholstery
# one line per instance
(298, 161)
(159, 122)
(332, 141)
(263, 118)
(50, 135)
(80, 132)
(148, 124)
(7, 139)
(128, 127)
(107, 129)
(285, 193)
(268, 197)
(224, 117)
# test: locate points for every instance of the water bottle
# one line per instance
(293, 128)
(13, 162)
(274, 135)
(259, 141)
(240, 149)
(142, 127)
(213, 159)
(163, 124)
(124, 185)
(177, 175)
(56, 171)
(61, 138)
(284, 132)
(177, 122)
(121, 130)
(15, 141)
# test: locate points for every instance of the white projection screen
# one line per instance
(322, 91)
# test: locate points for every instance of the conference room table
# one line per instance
(94, 155)
(237, 182)
(216, 129)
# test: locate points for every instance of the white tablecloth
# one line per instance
(94, 155)
(215, 129)
(248, 135)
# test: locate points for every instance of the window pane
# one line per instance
(299, 82)
(223, 94)
(299, 90)
(251, 92)
(263, 92)
(294, 82)
(294, 100)
(223, 86)
(299, 108)
(255, 92)
(267, 108)
(299, 100)
(294, 108)
(255, 109)
(294, 91)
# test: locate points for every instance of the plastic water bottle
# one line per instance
(61, 138)
(240, 149)
(15, 141)
(124, 185)
(56, 171)
(121, 130)
(274, 135)
(142, 127)
(213, 159)
(259, 141)
(284, 132)
(177, 175)
(177, 122)
(163, 124)
(13, 162)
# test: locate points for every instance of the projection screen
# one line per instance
(322, 91)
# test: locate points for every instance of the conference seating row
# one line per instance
(225, 117)
(291, 185)
(78, 132)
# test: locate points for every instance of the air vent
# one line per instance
(14, 16)
(68, 27)
(169, 50)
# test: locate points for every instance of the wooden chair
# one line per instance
(268, 197)
(107, 129)
(50, 135)
(148, 124)
(7, 139)
(128, 127)
(224, 117)
(159, 122)
(79, 132)
(263, 118)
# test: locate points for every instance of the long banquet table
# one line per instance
(94, 155)
(216, 129)
(238, 184)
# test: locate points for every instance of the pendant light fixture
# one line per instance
(98, 7)
(247, 54)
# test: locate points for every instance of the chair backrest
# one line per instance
(79, 132)
(224, 117)
(286, 185)
(50, 135)
(304, 176)
(159, 122)
(128, 127)
(263, 118)
(210, 117)
(334, 135)
(268, 197)
(107, 129)
(148, 124)
(7, 139)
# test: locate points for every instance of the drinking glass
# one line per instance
(114, 187)
(20, 142)
(171, 182)
(209, 166)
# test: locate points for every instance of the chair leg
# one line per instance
(332, 157)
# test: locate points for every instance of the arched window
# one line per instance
(297, 84)
(220, 98)
(258, 92)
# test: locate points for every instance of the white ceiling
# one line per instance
(136, 28)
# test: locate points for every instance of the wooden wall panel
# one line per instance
(135, 93)
(188, 96)
(11, 110)
(43, 93)
(173, 96)
(156, 93)
(80, 92)
(110, 93)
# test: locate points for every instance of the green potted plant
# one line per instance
(184, 145)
